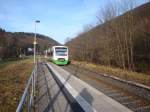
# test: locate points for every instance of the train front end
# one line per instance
(60, 55)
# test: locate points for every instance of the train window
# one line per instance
(61, 51)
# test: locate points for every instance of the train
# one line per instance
(59, 55)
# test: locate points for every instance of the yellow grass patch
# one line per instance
(123, 74)
(12, 80)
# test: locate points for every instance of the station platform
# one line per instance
(49, 95)
(89, 98)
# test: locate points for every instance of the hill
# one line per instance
(27, 38)
(12, 44)
(123, 42)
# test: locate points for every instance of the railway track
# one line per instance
(116, 90)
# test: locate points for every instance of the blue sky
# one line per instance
(59, 18)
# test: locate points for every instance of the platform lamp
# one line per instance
(35, 42)
(35, 72)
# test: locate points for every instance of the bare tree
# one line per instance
(117, 41)
(128, 24)
(107, 13)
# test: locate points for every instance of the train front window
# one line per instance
(61, 51)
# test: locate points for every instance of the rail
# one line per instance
(27, 100)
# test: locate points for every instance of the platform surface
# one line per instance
(90, 99)
(49, 96)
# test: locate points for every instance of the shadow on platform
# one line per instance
(70, 106)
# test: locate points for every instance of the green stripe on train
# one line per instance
(60, 62)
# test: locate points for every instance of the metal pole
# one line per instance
(34, 42)
(35, 63)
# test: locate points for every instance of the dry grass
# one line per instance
(12, 79)
(123, 74)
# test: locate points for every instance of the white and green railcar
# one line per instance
(60, 55)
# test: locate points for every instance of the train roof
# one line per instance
(60, 46)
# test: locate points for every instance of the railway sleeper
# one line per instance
(142, 109)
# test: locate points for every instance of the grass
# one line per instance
(5, 63)
(13, 75)
(123, 74)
